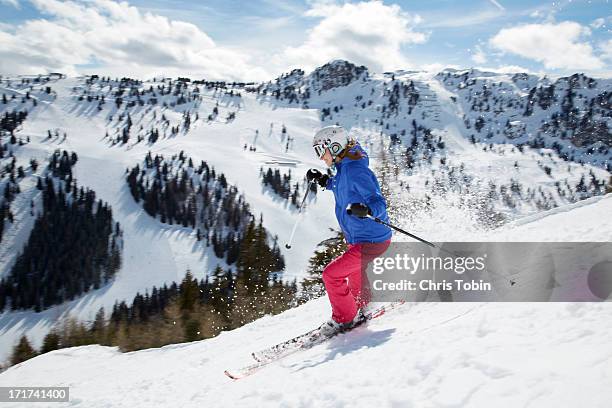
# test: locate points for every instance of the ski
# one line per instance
(301, 342)
(309, 339)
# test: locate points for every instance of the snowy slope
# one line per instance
(422, 355)
(521, 180)
(426, 355)
(157, 253)
(565, 224)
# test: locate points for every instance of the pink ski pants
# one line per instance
(346, 282)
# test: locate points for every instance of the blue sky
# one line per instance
(260, 39)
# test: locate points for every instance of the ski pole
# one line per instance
(378, 220)
(288, 244)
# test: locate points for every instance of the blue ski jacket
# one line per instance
(354, 182)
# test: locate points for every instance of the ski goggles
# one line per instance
(319, 150)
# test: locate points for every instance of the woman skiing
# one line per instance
(357, 194)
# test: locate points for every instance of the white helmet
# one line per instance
(335, 138)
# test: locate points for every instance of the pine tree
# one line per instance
(122, 337)
(51, 341)
(247, 254)
(23, 351)
(74, 333)
(192, 330)
(98, 327)
(326, 251)
(189, 293)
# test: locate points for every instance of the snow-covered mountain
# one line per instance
(423, 354)
(459, 153)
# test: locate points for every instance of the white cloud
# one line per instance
(496, 4)
(557, 46)
(598, 22)
(508, 69)
(466, 20)
(13, 3)
(368, 33)
(286, 6)
(119, 38)
(606, 49)
(479, 56)
(438, 67)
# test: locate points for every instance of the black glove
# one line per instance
(358, 210)
(317, 176)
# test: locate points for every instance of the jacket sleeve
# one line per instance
(328, 185)
(364, 183)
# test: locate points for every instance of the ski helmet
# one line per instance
(334, 138)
